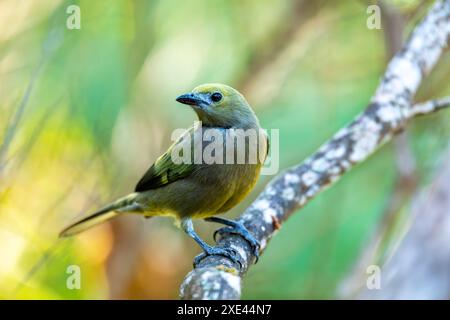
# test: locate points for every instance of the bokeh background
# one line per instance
(83, 114)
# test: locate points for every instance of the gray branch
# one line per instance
(419, 268)
(429, 107)
(388, 113)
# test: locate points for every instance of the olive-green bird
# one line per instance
(199, 189)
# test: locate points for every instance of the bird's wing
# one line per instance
(164, 171)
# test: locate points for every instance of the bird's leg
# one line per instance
(230, 253)
(236, 228)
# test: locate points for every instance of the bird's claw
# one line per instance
(227, 252)
(244, 233)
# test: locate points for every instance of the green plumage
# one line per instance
(192, 190)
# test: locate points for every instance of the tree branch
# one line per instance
(353, 285)
(390, 109)
(429, 107)
(419, 268)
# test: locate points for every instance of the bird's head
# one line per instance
(219, 105)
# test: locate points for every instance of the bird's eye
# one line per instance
(216, 96)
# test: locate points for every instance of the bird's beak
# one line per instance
(193, 99)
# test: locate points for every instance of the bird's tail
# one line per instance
(125, 204)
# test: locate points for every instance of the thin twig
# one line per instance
(429, 107)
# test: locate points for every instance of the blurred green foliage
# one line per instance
(101, 109)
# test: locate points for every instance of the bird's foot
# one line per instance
(241, 230)
(226, 252)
